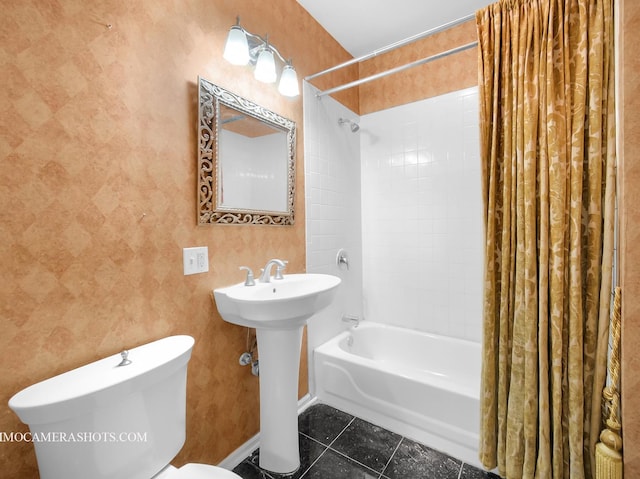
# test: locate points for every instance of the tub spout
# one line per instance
(353, 320)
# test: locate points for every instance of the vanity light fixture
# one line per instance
(265, 70)
(288, 85)
(236, 50)
(243, 48)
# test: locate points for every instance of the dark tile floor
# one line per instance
(336, 445)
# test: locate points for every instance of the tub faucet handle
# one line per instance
(342, 258)
(125, 358)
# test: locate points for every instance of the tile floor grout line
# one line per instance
(326, 448)
(268, 475)
(260, 471)
(353, 418)
(355, 464)
(313, 463)
(391, 457)
(353, 460)
(340, 433)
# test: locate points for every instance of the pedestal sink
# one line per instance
(278, 309)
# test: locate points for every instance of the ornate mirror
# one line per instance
(246, 160)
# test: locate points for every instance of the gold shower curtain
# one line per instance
(548, 151)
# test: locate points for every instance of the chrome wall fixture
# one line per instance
(243, 48)
(352, 124)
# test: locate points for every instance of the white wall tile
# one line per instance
(421, 213)
(403, 196)
(333, 213)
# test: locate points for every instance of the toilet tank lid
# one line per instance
(65, 393)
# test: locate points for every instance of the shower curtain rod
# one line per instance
(393, 46)
(396, 69)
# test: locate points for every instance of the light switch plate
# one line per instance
(195, 260)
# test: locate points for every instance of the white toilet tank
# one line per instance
(105, 421)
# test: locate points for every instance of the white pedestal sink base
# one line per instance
(278, 309)
(279, 352)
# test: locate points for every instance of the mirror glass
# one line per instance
(251, 166)
(246, 161)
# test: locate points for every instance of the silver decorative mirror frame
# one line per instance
(210, 211)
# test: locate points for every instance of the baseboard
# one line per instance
(240, 454)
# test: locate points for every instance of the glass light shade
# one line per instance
(288, 85)
(236, 50)
(265, 67)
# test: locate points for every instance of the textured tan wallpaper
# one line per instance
(98, 193)
(629, 180)
(438, 77)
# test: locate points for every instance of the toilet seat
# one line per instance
(197, 471)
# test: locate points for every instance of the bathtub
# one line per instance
(423, 386)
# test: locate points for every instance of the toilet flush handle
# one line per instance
(125, 358)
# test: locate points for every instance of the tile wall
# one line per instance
(420, 202)
(421, 214)
(332, 199)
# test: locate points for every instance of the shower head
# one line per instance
(352, 124)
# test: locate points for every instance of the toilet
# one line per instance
(122, 417)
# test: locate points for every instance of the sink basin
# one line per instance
(281, 304)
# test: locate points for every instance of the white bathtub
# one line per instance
(422, 386)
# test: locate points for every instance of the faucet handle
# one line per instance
(342, 259)
(249, 281)
(280, 269)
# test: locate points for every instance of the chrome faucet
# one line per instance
(265, 277)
